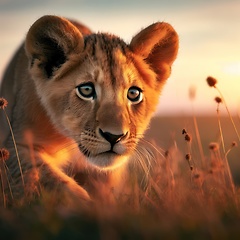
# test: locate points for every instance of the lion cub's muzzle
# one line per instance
(105, 149)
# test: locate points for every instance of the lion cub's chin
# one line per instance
(108, 160)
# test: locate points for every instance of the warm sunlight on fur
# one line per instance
(80, 100)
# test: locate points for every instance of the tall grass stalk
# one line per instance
(212, 82)
(3, 105)
(232, 185)
(3, 191)
(229, 171)
(226, 164)
(9, 185)
(188, 155)
(192, 95)
(229, 114)
(4, 156)
(220, 129)
(199, 140)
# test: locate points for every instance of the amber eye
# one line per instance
(135, 95)
(86, 91)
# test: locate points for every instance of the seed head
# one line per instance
(188, 156)
(214, 146)
(166, 154)
(188, 137)
(184, 131)
(218, 100)
(3, 103)
(4, 154)
(211, 81)
(197, 176)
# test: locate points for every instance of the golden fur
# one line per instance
(80, 100)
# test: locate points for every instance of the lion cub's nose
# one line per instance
(111, 138)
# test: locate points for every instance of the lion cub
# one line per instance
(79, 100)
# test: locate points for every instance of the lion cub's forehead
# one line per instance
(111, 60)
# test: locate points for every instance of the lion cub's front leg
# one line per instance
(63, 188)
(42, 178)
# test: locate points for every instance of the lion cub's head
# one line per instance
(95, 88)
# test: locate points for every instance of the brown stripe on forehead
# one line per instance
(90, 42)
(107, 44)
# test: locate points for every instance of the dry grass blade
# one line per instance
(3, 105)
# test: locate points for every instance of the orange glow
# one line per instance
(59, 155)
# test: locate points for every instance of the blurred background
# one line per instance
(209, 41)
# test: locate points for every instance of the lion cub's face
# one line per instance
(96, 89)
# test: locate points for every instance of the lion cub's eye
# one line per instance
(86, 91)
(135, 95)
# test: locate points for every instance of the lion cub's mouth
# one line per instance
(87, 153)
(104, 160)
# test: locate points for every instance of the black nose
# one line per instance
(111, 138)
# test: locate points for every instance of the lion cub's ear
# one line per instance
(50, 42)
(158, 46)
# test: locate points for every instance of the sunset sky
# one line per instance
(209, 32)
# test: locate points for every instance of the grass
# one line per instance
(192, 194)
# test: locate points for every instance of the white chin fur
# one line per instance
(107, 161)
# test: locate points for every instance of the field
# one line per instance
(167, 132)
(190, 194)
